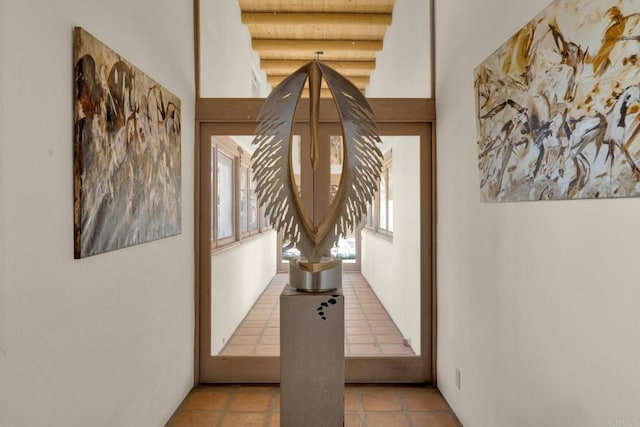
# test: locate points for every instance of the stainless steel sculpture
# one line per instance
(273, 171)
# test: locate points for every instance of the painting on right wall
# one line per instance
(558, 105)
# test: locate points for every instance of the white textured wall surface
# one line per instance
(4, 107)
(537, 301)
(238, 277)
(392, 268)
(403, 67)
(227, 61)
(107, 340)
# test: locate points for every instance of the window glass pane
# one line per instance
(253, 206)
(383, 202)
(390, 198)
(244, 198)
(296, 160)
(345, 249)
(336, 164)
(225, 196)
(213, 194)
(289, 251)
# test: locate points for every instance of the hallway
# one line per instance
(369, 329)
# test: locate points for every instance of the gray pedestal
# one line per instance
(311, 358)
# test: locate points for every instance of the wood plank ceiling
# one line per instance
(286, 34)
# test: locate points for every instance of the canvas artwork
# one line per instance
(127, 184)
(558, 105)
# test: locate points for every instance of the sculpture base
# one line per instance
(311, 358)
(322, 276)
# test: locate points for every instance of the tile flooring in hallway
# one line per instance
(365, 406)
(369, 329)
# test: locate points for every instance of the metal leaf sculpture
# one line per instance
(272, 160)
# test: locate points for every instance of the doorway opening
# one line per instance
(390, 314)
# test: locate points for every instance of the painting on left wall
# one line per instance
(127, 176)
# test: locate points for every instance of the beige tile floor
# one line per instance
(369, 329)
(365, 406)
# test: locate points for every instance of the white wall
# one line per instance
(537, 301)
(403, 67)
(227, 61)
(392, 268)
(238, 277)
(227, 67)
(3, 111)
(107, 340)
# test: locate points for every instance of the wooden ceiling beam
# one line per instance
(354, 50)
(271, 45)
(287, 34)
(371, 6)
(360, 82)
(307, 55)
(346, 68)
(317, 19)
(313, 31)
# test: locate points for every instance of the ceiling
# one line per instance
(286, 34)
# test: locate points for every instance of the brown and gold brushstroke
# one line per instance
(558, 106)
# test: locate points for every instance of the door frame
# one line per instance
(394, 116)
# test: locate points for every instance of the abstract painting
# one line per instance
(558, 105)
(127, 183)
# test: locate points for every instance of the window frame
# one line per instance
(373, 217)
(245, 162)
(221, 147)
(240, 160)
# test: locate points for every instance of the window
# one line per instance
(382, 201)
(389, 174)
(386, 199)
(244, 199)
(380, 213)
(253, 207)
(235, 209)
(249, 208)
(368, 220)
(225, 197)
(214, 203)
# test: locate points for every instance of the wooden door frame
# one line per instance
(392, 115)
